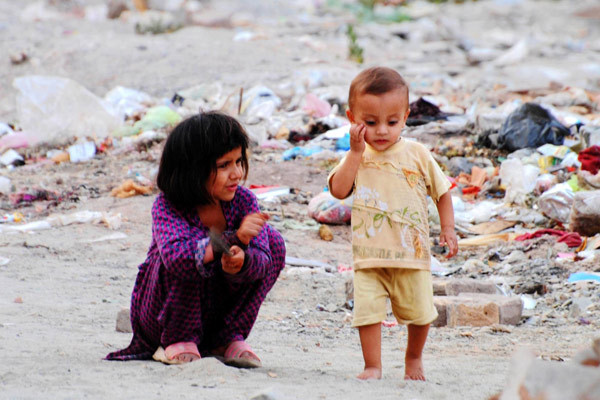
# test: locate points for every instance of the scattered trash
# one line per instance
(11, 157)
(127, 101)
(302, 262)
(423, 112)
(112, 236)
(584, 276)
(590, 159)
(83, 151)
(585, 213)
(518, 179)
(54, 109)
(129, 188)
(531, 125)
(572, 239)
(556, 202)
(266, 192)
(326, 209)
(5, 185)
(300, 151)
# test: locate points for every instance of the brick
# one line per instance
(477, 309)
(123, 321)
(441, 303)
(474, 311)
(456, 286)
(439, 287)
(510, 307)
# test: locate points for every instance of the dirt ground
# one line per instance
(62, 288)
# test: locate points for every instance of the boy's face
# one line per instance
(383, 115)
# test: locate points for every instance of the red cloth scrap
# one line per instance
(572, 239)
(590, 159)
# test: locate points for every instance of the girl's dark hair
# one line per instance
(190, 156)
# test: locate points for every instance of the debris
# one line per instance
(585, 213)
(130, 188)
(572, 239)
(486, 228)
(326, 209)
(18, 58)
(55, 109)
(590, 159)
(531, 126)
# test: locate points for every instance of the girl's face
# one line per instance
(224, 181)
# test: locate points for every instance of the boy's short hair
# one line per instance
(376, 80)
(190, 156)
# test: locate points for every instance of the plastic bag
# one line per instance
(53, 109)
(127, 101)
(531, 126)
(556, 202)
(518, 179)
(326, 209)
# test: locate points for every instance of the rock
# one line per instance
(268, 394)
(510, 307)
(349, 288)
(123, 321)
(325, 233)
(115, 9)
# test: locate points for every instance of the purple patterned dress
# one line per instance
(178, 298)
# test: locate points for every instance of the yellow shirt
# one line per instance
(390, 226)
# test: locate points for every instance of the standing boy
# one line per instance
(390, 178)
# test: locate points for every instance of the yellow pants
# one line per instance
(410, 292)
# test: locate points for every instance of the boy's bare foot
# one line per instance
(370, 373)
(413, 369)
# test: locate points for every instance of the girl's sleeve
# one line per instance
(181, 252)
(258, 258)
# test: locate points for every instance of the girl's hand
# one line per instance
(448, 238)
(251, 226)
(233, 264)
(357, 138)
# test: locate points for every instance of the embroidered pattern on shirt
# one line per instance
(412, 177)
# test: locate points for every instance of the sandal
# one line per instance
(170, 354)
(234, 355)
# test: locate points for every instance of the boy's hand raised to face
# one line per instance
(251, 226)
(357, 138)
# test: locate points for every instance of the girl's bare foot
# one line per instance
(413, 369)
(186, 357)
(370, 373)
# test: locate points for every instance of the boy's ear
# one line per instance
(350, 115)
(406, 114)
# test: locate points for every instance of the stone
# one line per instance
(123, 321)
(325, 233)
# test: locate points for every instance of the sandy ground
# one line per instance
(61, 290)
